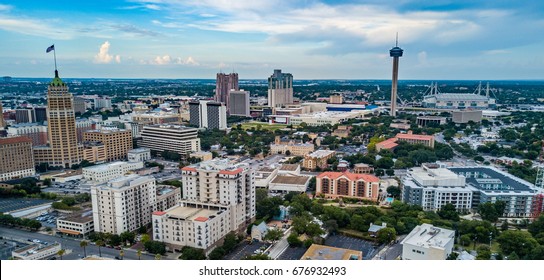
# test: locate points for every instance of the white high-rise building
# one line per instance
(123, 204)
(208, 114)
(218, 197)
(169, 137)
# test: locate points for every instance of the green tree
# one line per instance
(386, 235)
(145, 238)
(484, 252)
(217, 254)
(394, 191)
(155, 247)
(230, 242)
(385, 163)
(189, 253)
(519, 242)
(257, 257)
(273, 235)
(537, 226)
(61, 253)
(99, 243)
(47, 182)
(294, 240)
(83, 244)
(488, 212)
(448, 212)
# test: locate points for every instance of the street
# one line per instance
(70, 244)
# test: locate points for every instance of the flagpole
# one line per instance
(55, 56)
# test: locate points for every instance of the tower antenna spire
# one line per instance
(397, 40)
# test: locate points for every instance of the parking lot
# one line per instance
(12, 204)
(48, 219)
(72, 187)
(7, 246)
(352, 243)
(292, 253)
(244, 249)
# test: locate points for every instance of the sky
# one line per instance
(312, 39)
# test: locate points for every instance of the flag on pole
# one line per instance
(52, 48)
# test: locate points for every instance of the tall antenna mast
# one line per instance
(397, 40)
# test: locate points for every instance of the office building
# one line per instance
(340, 184)
(36, 132)
(427, 242)
(336, 99)
(156, 118)
(36, 252)
(433, 121)
(83, 124)
(102, 103)
(123, 204)
(239, 103)
(2, 121)
(432, 187)
(224, 83)
(109, 171)
(208, 114)
(94, 152)
(280, 89)
(466, 116)
(317, 159)
(175, 138)
(63, 150)
(322, 252)
(16, 160)
(391, 143)
(25, 115)
(41, 114)
(79, 105)
(139, 154)
(79, 224)
(117, 142)
(342, 131)
(491, 185)
(218, 198)
(290, 147)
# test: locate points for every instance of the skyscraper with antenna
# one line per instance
(395, 53)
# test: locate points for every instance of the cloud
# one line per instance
(162, 60)
(422, 58)
(5, 8)
(188, 61)
(40, 28)
(494, 52)
(104, 57)
(132, 29)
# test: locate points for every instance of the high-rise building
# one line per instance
(223, 85)
(280, 89)
(16, 160)
(25, 115)
(117, 142)
(41, 114)
(79, 105)
(123, 204)
(218, 197)
(36, 132)
(174, 138)
(395, 53)
(63, 149)
(208, 114)
(239, 103)
(102, 103)
(2, 121)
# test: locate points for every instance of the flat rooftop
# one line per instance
(79, 217)
(290, 180)
(289, 167)
(139, 150)
(322, 252)
(321, 153)
(427, 236)
(191, 213)
(489, 175)
(105, 166)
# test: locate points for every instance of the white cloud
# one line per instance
(422, 58)
(494, 52)
(104, 57)
(162, 60)
(5, 8)
(188, 61)
(34, 27)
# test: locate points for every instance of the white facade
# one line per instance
(109, 171)
(123, 204)
(174, 138)
(76, 225)
(427, 242)
(218, 197)
(432, 188)
(36, 252)
(140, 154)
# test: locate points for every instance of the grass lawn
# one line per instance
(266, 126)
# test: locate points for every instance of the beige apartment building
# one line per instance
(63, 149)
(94, 152)
(340, 184)
(117, 142)
(317, 159)
(123, 204)
(295, 149)
(16, 159)
(218, 197)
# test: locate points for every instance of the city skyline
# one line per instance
(445, 40)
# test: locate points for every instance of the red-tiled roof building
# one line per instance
(347, 184)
